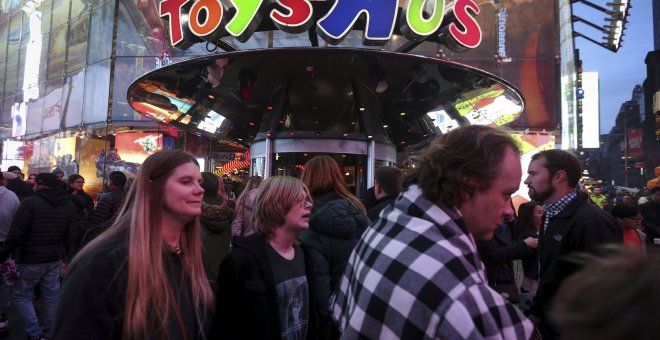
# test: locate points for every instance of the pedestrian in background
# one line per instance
(8, 205)
(243, 224)
(651, 218)
(337, 222)
(386, 188)
(629, 218)
(43, 231)
(216, 225)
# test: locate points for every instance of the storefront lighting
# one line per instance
(361, 109)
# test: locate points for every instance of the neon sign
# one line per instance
(208, 19)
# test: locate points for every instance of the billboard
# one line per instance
(590, 111)
(635, 147)
(520, 45)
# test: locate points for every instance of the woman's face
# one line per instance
(183, 193)
(536, 215)
(78, 184)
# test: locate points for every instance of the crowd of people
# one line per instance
(429, 253)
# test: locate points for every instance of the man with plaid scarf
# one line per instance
(415, 273)
(571, 223)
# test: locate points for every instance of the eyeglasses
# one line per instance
(304, 203)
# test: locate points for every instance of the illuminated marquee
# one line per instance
(208, 19)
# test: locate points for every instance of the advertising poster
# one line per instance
(129, 151)
(64, 154)
(519, 45)
(635, 147)
(90, 149)
(52, 113)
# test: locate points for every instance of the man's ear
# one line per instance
(377, 188)
(559, 177)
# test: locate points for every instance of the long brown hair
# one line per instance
(149, 298)
(322, 175)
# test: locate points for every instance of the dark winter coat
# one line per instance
(44, 228)
(216, 235)
(335, 226)
(94, 292)
(110, 201)
(246, 298)
(498, 255)
(89, 202)
(580, 227)
(21, 188)
(379, 205)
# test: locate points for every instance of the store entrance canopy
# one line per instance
(338, 93)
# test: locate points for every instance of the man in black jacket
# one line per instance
(571, 223)
(110, 200)
(43, 229)
(386, 189)
(21, 188)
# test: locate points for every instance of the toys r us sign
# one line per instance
(208, 19)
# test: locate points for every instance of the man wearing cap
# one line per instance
(43, 232)
(22, 189)
(8, 205)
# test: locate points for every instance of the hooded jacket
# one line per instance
(216, 227)
(246, 299)
(335, 226)
(44, 228)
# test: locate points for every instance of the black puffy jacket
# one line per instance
(335, 226)
(44, 227)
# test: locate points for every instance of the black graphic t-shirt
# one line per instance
(292, 293)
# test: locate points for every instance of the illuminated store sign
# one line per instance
(208, 19)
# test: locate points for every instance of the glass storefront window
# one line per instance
(35, 115)
(145, 38)
(60, 12)
(77, 43)
(56, 52)
(11, 76)
(53, 106)
(100, 32)
(22, 55)
(78, 8)
(4, 31)
(14, 39)
(73, 97)
(259, 167)
(352, 167)
(46, 9)
(97, 89)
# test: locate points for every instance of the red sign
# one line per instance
(635, 148)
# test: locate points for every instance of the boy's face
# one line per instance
(297, 219)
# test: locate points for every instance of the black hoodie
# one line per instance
(43, 227)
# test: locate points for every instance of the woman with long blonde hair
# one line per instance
(144, 277)
(337, 222)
